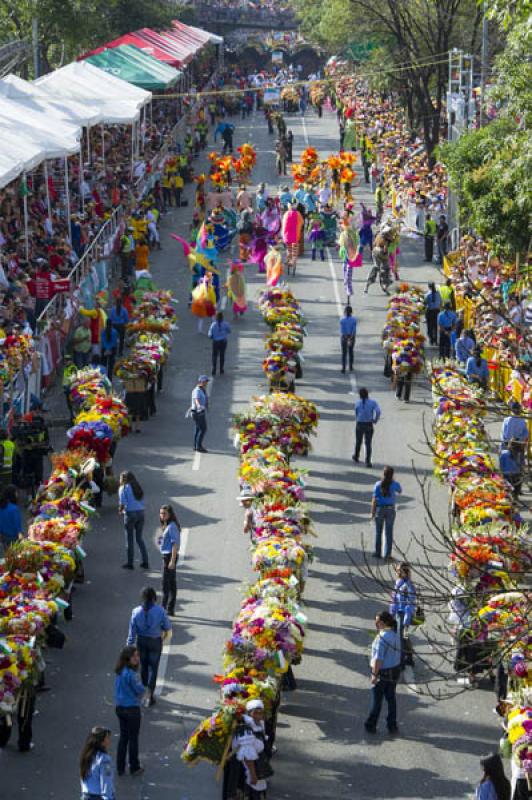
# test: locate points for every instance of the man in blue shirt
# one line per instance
(446, 323)
(367, 414)
(198, 411)
(119, 319)
(510, 466)
(432, 309)
(348, 331)
(218, 332)
(514, 427)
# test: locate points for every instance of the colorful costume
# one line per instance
(236, 288)
(292, 228)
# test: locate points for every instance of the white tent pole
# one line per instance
(103, 146)
(67, 195)
(25, 201)
(88, 145)
(48, 204)
(132, 147)
(81, 198)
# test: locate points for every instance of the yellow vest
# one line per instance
(9, 451)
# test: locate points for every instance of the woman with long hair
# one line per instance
(131, 506)
(148, 627)
(383, 511)
(128, 696)
(403, 608)
(169, 543)
(96, 766)
(494, 785)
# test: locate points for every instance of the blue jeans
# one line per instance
(134, 525)
(383, 689)
(384, 518)
(150, 648)
(200, 421)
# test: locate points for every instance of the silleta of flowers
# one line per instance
(402, 339)
(492, 548)
(267, 637)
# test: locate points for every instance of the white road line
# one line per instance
(339, 308)
(196, 461)
(163, 664)
(305, 133)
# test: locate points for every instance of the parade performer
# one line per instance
(204, 300)
(274, 266)
(236, 289)
(317, 236)
(348, 251)
(292, 227)
(245, 236)
(260, 247)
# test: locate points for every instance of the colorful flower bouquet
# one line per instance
(18, 656)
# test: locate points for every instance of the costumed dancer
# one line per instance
(274, 266)
(260, 246)
(236, 289)
(199, 199)
(204, 300)
(317, 236)
(366, 232)
(292, 227)
(348, 251)
(245, 236)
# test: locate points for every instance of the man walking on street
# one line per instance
(218, 332)
(367, 414)
(198, 411)
(446, 325)
(348, 331)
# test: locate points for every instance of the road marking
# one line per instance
(305, 134)
(340, 309)
(184, 542)
(196, 461)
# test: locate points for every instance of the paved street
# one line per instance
(323, 750)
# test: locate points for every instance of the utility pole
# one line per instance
(459, 120)
(35, 45)
(484, 62)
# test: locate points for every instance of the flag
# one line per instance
(23, 188)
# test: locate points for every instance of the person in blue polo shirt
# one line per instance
(148, 627)
(446, 324)
(169, 544)
(432, 309)
(367, 414)
(383, 511)
(96, 766)
(109, 344)
(128, 696)
(477, 369)
(119, 318)
(348, 331)
(385, 670)
(218, 332)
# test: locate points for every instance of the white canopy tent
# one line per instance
(118, 101)
(10, 168)
(38, 99)
(58, 138)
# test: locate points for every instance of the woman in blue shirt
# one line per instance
(494, 785)
(109, 343)
(128, 695)
(477, 369)
(96, 766)
(148, 628)
(10, 517)
(169, 544)
(131, 506)
(403, 608)
(383, 511)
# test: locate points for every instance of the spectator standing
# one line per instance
(430, 233)
(218, 333)
(148, 627)
(383, 511)
(432, 309)
(442, 238)
(131, 506)
(109, 345)
(81, 343)
(169, 544)
(367, 414)
(128, 694)
(385, 672)
(10, 517)
(446, 324)
(198, 412)
(96, 766)
(403, 608)
(348, 332)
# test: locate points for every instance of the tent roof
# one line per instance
(117, 100)
(160, 50)
(55, 137)
(14, 88)
(176, 54)
(10, 167)
(131, 64)
(211, 37)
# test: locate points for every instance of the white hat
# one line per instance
(255, 705)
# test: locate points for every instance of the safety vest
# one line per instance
(446, 293)
(430, 227)
(8, 448)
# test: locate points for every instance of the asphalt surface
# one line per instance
(323, 750)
